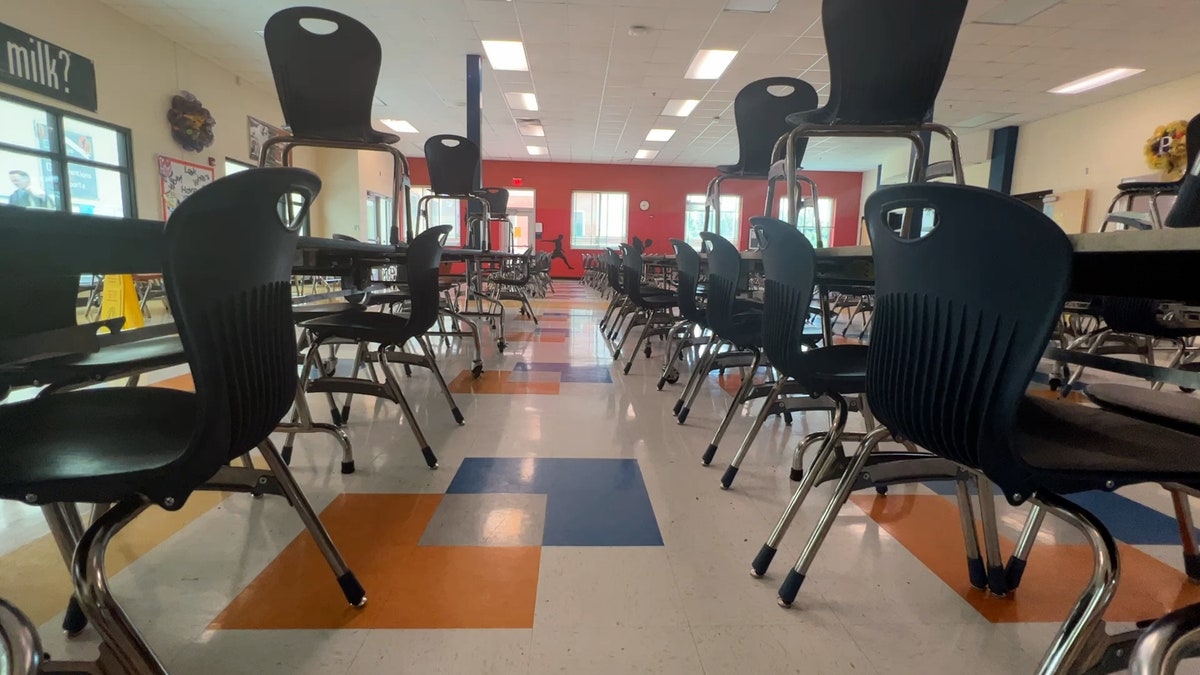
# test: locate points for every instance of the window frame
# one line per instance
(454, 239)
(688, 204)
(598, 243)
(59, 157)
(826, 224)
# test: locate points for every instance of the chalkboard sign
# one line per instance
(35, 65)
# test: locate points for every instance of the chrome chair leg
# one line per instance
(1187, 534)
(1086, 621)
(795, 576)
(821, 463)
(677, 341)
(389, 377)
(1167, 642)
(997, 581)
(966, 515)
(738, 399)
(699, 374)
(763, 413)
(437, 374)
(21, 647)
(1015, 568)
(353, 590)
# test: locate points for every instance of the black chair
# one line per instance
(887, 61)
(963, 316)
(760, 112)
(655, 312)
(497, 212)
(692, 315)
(391, 332)
(226, 257)
(326, 88)
(1154, 190)
(510, 281)
(453, 163)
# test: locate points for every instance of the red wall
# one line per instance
(666, 188)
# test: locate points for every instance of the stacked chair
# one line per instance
(226, 258)
(655, 311)
(1152, 191)
(692, 327)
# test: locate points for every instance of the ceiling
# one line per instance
(601, 89)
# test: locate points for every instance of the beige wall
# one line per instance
(1094, 148)
(137, 73)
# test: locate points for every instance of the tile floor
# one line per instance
(571, 528)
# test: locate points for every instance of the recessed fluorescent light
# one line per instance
(646, 154)
(680, 107)
(521, 101)
(709, 64)
(506, 54)
(529, 127)
(660, 135)
(761, 6)
(400, 126)
(1015, 12)
(1096, 80)
(536, 150)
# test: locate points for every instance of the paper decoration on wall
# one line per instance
(191, 123)
(179, 179)
(1166, 150)
(260, 132)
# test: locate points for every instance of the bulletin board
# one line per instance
(179, 179)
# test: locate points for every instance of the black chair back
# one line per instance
(888, 58)
(724, 280)
(687, 263)
(789, 263)
(631, 273)
(227, 268)
(612, 262)
(422, 261)
(325, 82)
(453, 163)
(497, 200)
(1185, 212)
(760, 113)
(962, 316)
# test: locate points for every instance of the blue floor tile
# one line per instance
(589, 502)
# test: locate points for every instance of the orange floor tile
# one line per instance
(408, 586)
(498, 382)
(527, 336)
(928, 526)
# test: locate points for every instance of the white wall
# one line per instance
(137, 73)
(1095, 147)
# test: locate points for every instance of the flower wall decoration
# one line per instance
(191, 123)
(1166, 150)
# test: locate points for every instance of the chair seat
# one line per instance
(96, 445)
(1091, 446)
(307, 313)
(659, 301)
(1166, 187)
(380, 327)
(840, 369)
(389, 297)
(739, 171)
(126, 358)
(1169, 409)
(744, 330)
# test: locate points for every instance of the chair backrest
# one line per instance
(1192, 141)
(497, 200)
(789, 263)
(888, 58)
(724, 279)
(612, 263)
(423, 260)
(760, 113)
(687, 264)
(227, 268)
(1185, 212)
(631, 272)
(962, 316)
(453, 163)
(325, 82)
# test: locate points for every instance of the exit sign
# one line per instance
(518, 182)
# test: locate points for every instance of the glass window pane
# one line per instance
(30, 181)
(93, 142)
(731, 219)
(233, 166)
(96, 191)
(599, 219)
(27, 127)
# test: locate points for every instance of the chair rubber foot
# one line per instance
(662, 382)
(677, 408)
(430, 458)
(345, 414)
(348, 467)
(683, 413)
(977, 574)
(74, 621)
(709, 453)
(627, 367)
(286, 454)
(336, 416)
(796, 475)
(1014, 571)
(1191, 565)
(997, 581)
(458, 416)
(355, 594)
(616, 355)
(762, 561)
(727, 479)
(790, 588)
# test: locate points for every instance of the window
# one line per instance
(379, 218)
(825, 205)
(599, 219)
(731, 219)
(233, 166)
(54, 160)
(441, 212)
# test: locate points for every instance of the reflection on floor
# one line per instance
(571, 528)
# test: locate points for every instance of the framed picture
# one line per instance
(179, 179)
(259, 132)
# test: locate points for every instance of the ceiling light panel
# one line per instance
(506, 54)
(521, 101)
(536, 150)
(646, 154)
(660, 135)
(530, 127)
(680, 107)
(400, 126)
(710, 64)
(1096, 80)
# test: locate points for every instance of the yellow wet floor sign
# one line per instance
(120, 299)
